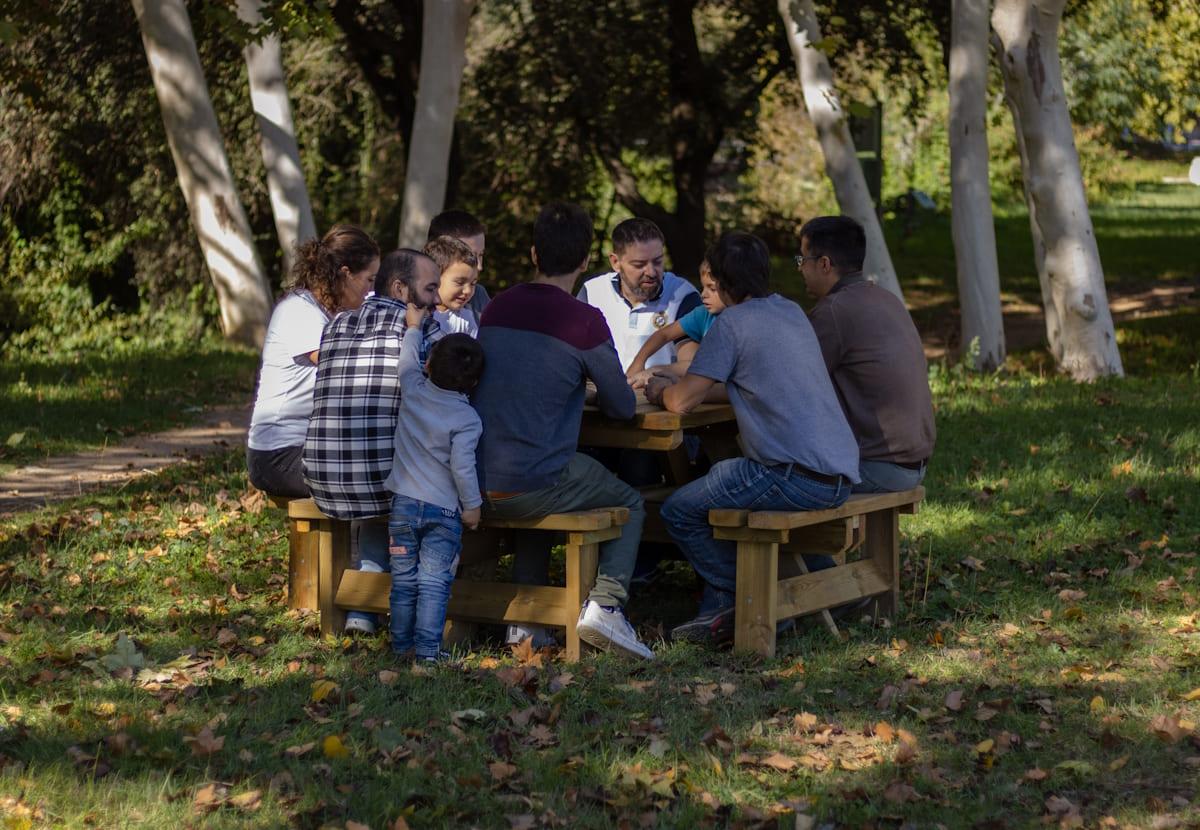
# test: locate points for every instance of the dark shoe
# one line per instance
(713, 628)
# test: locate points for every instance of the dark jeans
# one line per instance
(583, 484)
(278, 472)
(737, 482)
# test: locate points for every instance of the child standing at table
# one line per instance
(460, 274)
(434, 483)
(693, 325)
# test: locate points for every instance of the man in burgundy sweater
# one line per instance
(541, 346)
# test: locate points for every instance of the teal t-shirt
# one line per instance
(697, 322)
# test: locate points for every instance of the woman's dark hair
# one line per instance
(741, 265)
(562, 237)
(319, 262)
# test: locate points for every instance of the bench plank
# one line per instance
(578, 521)
(830, 588)
(856, 505)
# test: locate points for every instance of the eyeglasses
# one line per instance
(801, 259)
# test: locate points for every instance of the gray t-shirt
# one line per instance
(765, 352)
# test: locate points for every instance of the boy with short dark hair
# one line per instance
(434, 481)
(471, 232)
(460, 274)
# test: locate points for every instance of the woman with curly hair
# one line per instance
(330, 275)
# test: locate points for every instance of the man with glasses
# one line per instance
(874, 356)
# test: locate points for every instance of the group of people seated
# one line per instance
(402, 398)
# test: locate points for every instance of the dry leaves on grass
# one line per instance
(204, 743)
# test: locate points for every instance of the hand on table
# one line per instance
(472, 517)
(656, 385)
(638, 380)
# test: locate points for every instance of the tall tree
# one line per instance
(281, 154)
(971, 213)
(443, 57)
(203, 170)
(833, 133)
(1079, 326)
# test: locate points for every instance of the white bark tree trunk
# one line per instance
(971, 198)
(443, 57)
(281, 154)
(829, 119)
(203, 170)
(1079, 326)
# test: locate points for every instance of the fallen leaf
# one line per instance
(899, 792)
(209, 797)
(333, 747)
(204, 743)
(972, 564)
(322, 689)
(1097, 706)
(884, 732)
(125, 656)
(1194, 694)
(778, 761)
(1036, 774)
(355, 825)
(226, 637)
(1118, 763)
(984, 746)
(954, 700)
(1167, 728)
(388, 677)
(501, 771)
(1071, 595)
(299, 749)
(248, 801)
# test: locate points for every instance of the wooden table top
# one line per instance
(651, 417)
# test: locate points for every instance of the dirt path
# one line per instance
(61, 477)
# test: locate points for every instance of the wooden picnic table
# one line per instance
(652, 427)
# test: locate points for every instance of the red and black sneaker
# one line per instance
(713, 628)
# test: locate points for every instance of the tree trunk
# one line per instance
(203, 169)
(1079, 326)
(841, 162)
(281, 155)
(443, 57)
(971, 214)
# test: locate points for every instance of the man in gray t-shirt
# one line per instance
(800, 452)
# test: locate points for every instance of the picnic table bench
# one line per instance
(340, 589)
(763, 598)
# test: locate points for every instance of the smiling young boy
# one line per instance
(460, 274)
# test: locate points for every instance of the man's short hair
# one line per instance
(741, 265)
(633, 231)
(399, 266)
(455, 363)
(840, 238)
(446, 250)
(562, 237)
(456, 223)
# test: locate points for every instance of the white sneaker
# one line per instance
(359, 625)
(609, 629)
(542, 637)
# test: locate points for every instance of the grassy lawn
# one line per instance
(1045, 666)
(55, 405)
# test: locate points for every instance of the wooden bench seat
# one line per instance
(341, 589)
(763, 598)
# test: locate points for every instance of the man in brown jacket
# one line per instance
(874, 356)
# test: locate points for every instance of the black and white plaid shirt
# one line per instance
(348, 451)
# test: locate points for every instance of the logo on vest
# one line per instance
(659, 320)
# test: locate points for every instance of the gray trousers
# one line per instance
(584, 484)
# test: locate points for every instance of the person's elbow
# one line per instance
(676, 399)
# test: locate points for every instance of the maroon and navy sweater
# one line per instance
(540, 346)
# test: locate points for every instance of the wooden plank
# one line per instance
(728, 517)
(494, 602)
(756, 598)
(746, 534)
(627, 436)
(578, 521)
(592, 537)
(582, 561)
(881, 545)
(364, 591)
(304, 573)
(830, 588)
(829, 538)
(334, 558)
(507, 602)
(304, 509)
(650, 416)
(856, 505)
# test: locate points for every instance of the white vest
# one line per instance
(632, 327)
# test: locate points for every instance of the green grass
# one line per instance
(1039, 486)
(83, 400)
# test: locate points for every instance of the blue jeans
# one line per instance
(424, 542)
(886, 477)
(736, 482)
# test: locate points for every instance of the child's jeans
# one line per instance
(424, 542)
